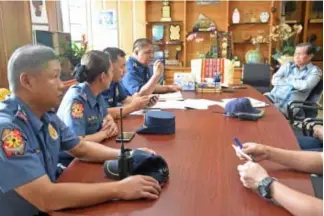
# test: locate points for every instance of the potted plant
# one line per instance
(286, 37)
(75, 51)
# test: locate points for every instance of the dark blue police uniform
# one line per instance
(136, 76)
(29, 150)
(114, 95)
(81, 110)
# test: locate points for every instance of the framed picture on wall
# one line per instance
(38, 12)
(108, 19)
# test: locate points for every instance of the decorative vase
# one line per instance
(284, 59)
(254, 56)
(236, 16)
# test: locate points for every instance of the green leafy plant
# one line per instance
(75, 51)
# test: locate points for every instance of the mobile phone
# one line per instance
(240, 152)
(127, 137)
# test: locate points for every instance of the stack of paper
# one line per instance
(171, 96)
(201, 104)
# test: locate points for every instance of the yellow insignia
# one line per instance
(52, 132)
(12, 142)
(77, 110)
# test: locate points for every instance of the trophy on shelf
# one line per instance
(166, 11)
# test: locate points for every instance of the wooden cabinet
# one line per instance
(187, 12)
(15, 31)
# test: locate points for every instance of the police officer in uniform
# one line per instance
(83, 108)
(138, 77)
(115, 95)
(31, 138)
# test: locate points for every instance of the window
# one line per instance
(81, 17)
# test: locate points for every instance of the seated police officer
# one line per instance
(116, 95)
(31, 138)
(138, 77)
(83, 108)
(255, 177)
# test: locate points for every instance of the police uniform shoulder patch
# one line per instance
(77, 110)
(12, 142)
(52, 132)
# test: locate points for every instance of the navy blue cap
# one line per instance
(144, 163)
(158, 122)
(242, 108)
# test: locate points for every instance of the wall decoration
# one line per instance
(38, 12)
(166, 11)
(157, 32)
(203, 23)
(108, 19)
(174, 32)
(224, 44)
(264, 17)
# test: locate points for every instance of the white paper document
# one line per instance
(171, 96)
(170, 104)
(201, 104)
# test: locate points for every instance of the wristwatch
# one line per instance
(264, 188)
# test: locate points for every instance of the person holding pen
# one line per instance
(255, 177)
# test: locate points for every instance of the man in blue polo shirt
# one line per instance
(116, 96)
(31, 138)
(138, 77)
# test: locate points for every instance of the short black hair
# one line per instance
(28, 58)
(141, 43)
(310, 48)
(93, 63)
(114, 53)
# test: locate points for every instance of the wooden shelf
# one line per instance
(247, 42)
(316, 21)
(292, 22)
(249, 23)
(169, 43)
(177, 68)
(188, 33)
(161, 22)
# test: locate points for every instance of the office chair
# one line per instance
(308, 108)
(257, 76)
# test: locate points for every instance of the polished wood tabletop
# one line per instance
(203, 166)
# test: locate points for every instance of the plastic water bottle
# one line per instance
(217, 80)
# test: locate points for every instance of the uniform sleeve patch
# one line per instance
(12, 142)
(77, 110)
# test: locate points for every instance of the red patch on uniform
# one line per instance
(77, 110)
(12, 142)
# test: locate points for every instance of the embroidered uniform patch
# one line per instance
(77, 110)
(12, 142)
(52, 132)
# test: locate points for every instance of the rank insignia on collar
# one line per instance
(84, 96)
(12, 142)
(135, 65)
(77, 110)
(52, 132)
(22, 115)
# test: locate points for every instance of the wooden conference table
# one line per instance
(203, 166)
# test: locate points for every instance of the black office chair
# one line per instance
(308, 108)
(258, 76)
